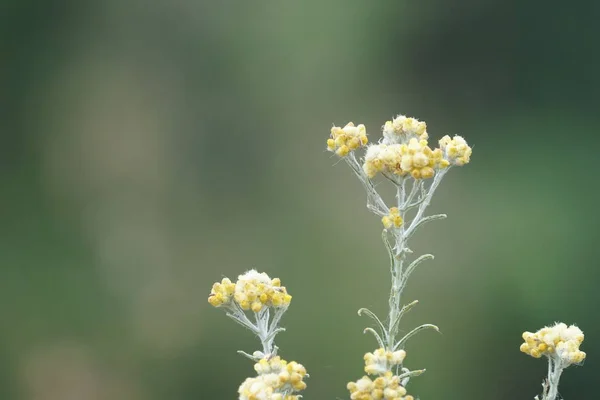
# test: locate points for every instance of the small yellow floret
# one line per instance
(245, 304)
(393, 219)
(427, 173)
(387, 222)
(342, 151)
(542, 347)
(330, 144)
(354, 143)
(214, 301)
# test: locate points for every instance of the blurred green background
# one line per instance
(150, 148)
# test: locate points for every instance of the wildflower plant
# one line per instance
(404, 159)
(560, 345)
(258, 303)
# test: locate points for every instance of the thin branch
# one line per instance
(273, 333)
(374, 317)
(411, 230)
(415, 188)
(379, 340)
(415, 264)
(405, 377)
(277, 317)
(250, 356)
(412, 374)
(388, 247)
(243, 322)
(414, 332)
(404, 310)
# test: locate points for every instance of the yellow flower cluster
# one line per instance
(381, 361)
(393, 219)
(386, 387)
(403, 151)
(419, 160)
(277, 380)
(252, 291)
(346, 139)
(456, 150)
(558, 341)
(221, 293)
(402, 128)
(415, 158)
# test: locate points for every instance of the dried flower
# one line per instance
(560, 344)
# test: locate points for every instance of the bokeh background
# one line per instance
(149, 148)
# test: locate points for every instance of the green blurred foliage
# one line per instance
(150, 148)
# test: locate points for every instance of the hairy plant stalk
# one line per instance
(420, 197)
(554, 373)
(404, 158)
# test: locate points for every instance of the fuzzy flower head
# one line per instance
(349, 138)
(386, 387)
(402, 129)
(277, 380)
(381, 361)
(221, 293)
(456, 150)
(418, 159)
(252, 291)
(557, 342)
(393, 219)
(404, 151)
(383, 158)
(414, 158)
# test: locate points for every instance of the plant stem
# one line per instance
(554, 372)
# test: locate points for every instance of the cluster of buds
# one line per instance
(404, 150)
(558, 342)
(393, 219)
(387, 385)
(277, 380)
(402, 128)
(381, 361)
(347, 139)
(414, 158)
(456, 150)
(252, 291)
